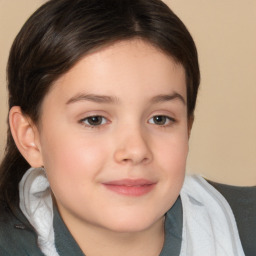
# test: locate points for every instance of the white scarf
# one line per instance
(209, 227)
(36, 205)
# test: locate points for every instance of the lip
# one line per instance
(130, 187)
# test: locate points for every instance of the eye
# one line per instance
(94, 120)
(161, 120)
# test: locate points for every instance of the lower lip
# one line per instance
(130, 190)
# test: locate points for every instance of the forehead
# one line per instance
(131, 65)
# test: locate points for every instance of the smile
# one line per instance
(130, 187)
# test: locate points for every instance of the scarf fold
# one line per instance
(209, 227)
(36, 205)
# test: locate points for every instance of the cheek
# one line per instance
(172, 156)
(173, 152)
(72, 159)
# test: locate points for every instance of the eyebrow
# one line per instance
(168, 97)
(93, 98)
(109, 99)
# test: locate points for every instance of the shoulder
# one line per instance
(16, 235)
(242, 201)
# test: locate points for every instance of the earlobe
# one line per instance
(25, 135)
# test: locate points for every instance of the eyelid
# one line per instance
(91, 113)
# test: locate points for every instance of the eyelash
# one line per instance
(100, 119)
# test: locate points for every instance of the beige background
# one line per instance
(223, 141)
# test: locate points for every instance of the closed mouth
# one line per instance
(130, 187)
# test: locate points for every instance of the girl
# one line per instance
(101, 96)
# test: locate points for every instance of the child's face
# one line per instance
(114, 137)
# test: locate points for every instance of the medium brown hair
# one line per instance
(60, 33)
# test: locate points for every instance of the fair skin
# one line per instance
(113, 138)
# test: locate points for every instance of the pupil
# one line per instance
(95, 120)
(160, 120)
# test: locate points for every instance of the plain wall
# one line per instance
(223, 139)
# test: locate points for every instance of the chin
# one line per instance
(134, 224)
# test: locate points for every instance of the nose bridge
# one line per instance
(133, 146)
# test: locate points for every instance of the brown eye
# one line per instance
(94, 120)
(161, 120)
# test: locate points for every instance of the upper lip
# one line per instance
(130, 182)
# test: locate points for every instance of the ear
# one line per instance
(190, 124)
(26, 136)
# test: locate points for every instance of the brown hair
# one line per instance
(60, 33)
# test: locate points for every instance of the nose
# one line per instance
(133, 147)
